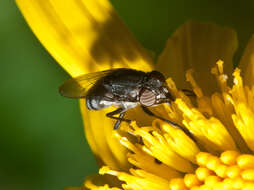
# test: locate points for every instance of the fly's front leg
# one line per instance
(119, 119)
(149, 112)
(186, 131)
(188, 92)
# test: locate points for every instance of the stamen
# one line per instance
(137, 179)
(157, 146)
(223, 106)
(244, 121)
(142, 160)
(220, 76)
(173, 112)
(178, 141)
(210, 132)
(195, 87)
(243, 117)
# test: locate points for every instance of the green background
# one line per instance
(42, 145)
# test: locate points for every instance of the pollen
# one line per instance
(216, 154)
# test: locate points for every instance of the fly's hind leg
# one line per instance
(119, 119)
(186, 131)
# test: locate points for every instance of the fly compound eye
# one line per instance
(147, 98)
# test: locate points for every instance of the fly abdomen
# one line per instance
(97, 102)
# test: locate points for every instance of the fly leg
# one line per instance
(118, 122)
(188, 92)
(149, 112)
(119, 119)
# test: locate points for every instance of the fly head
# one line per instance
(155, 90)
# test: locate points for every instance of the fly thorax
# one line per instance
(133, 94)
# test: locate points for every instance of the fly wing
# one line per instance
(79, 86)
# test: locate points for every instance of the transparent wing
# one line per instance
(79, 86)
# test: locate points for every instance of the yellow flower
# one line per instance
(87, 36)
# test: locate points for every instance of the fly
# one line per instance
(122, 88)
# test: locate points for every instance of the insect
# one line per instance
(122, 88)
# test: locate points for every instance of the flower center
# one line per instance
(164, 157)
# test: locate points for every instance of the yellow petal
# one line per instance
(99, 133)
(97, 182)
(198, 46)
(83, 36)
(73, 188)
(247, 63)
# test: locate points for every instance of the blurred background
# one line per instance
(42, 145)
